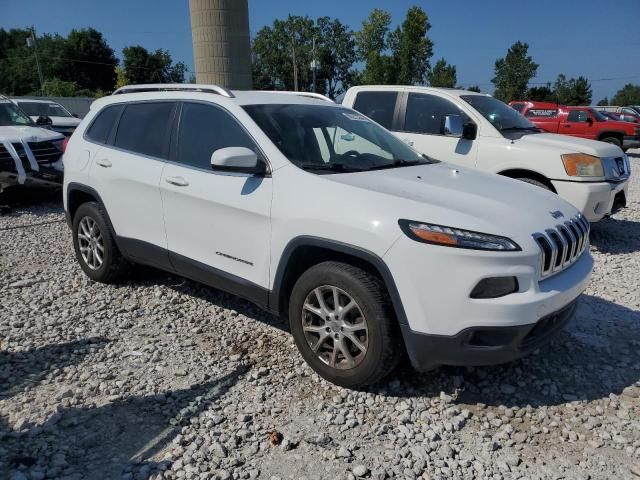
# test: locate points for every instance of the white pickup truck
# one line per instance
(28, 154)
(476, 130)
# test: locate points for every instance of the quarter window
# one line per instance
(144, 128)
(205, 129)
(378, 106)
(101, 127)
(425, 113)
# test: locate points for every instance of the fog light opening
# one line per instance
(495, 287)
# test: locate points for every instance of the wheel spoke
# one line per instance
(345, 351)
(97, 256)
(314, 328)
(314, 310)
(319, 343)
(334, 356)
(347, 308)
(336, 300)
(321, 302)
(354, 327)
(353, 339)
(100, 247)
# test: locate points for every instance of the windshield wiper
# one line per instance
(398, 163)
(334, 167)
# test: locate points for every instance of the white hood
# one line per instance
(443, 194)
(27, 133)
(567, 144)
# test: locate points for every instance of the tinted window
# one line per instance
(425, 113)
(577, 116)
(102, 124)
(205, 129)
(144, 128)
(378, 106)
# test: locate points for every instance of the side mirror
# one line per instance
(44, 121)
(589, 120)
(453, 126)
(470, 131)
(237, 159)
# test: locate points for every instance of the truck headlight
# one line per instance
(456, 237)
(582, 165)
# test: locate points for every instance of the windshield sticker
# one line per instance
(355, 116)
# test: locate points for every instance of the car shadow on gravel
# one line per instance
(595, 357)
(612, 235)
(22, 197)
(28, 368)
(111, 440)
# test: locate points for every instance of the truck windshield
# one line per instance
(44, 109)
(328, 139)
(10, 115)
(501, 116)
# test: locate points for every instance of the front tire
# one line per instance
(95, 248)
(612, 140)
(343, 324)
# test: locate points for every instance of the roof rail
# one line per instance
(317, 96)
(174, 87)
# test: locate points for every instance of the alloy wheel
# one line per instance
(90, 243)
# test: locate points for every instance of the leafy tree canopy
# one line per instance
(443, 75)
(627, 95)
(513, 73)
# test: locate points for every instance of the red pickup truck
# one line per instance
(584, 122)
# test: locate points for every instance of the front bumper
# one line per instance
(485, 345)
(594, 200)
(631, 141)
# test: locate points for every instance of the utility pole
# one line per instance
(295, 67)
(32, 43)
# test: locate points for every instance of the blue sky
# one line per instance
(599, 39)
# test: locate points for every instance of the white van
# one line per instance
(476, 130)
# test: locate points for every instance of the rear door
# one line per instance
(218, 223)
(422, 126)
(126, 172)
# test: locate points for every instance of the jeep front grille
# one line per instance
(562, 245)
(45, 152)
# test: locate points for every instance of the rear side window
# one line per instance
(103, 123)
(205, 129)
(378, 106)
(426, 113)
(144, 128)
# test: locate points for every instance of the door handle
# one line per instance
(177, 181)
(103, 162)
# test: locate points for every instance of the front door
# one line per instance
(218, 223)
(423, 129)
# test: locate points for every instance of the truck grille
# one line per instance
(45, 152)
(562, 245)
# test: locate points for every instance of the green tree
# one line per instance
(474, 88)
(513, 73)
(335, 50)
(575, 91)
(371, 42)
(411, 49)
(443, 75)
(540, 94)
(88, 60)
(604, 102)
(142, 66)
(627, 95)
(121, 78)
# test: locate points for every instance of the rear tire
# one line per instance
(612, 140)
(531, 181)
(351, 347)
(95, 248)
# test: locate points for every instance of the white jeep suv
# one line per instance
(369, 249)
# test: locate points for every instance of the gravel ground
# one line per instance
(163, 378)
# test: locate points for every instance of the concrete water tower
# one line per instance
(221, 45)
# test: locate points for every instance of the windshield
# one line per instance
(10, 115)
(331, 139)
(44, 109)
(501, 116)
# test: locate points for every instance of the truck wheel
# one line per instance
(534, 182)
(94, 246)
(343, 324)
(613, 140)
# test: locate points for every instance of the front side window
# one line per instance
(577, 116)
(44, 109)
(205, 129)
(504, 118)
(331, 139)
(101, 127)
(144, 128)
(11, 115)
(378, 106)
(426, 113)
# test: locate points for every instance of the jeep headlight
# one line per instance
(456, 237)
(582, 165)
